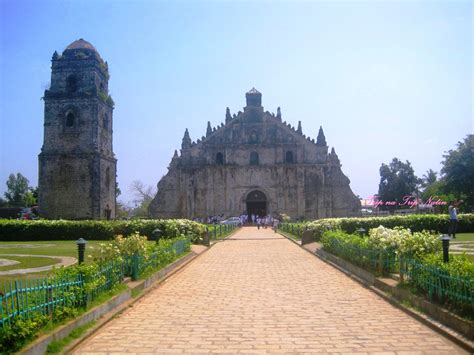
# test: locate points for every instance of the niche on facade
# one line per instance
(289, 158)
(253, 137)
(220, 158)
(254, 158)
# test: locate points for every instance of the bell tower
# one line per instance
(77, 166)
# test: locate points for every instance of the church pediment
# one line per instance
(251, 126)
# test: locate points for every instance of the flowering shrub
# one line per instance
(323, 225)
(121, 248)
(416, 223)
(403, 241)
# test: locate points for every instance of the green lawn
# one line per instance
(27, 262)
(53, 248)
(464, 237)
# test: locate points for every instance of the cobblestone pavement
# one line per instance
(259, 293)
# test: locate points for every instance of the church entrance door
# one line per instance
(256, 203)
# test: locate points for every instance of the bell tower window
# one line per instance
(71, 83)
(107, 178)
(70, 119)
(105, 122)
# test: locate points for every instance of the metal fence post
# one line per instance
(134, 267)
(380, 262)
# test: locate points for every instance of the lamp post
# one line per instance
(156, 234)
(81, 248)
(445, 239)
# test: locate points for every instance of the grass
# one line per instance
(464, 237)
(27, 262)
(56, 346)
(53, 248)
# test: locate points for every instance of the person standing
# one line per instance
(453, 218)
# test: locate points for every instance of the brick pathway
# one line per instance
(259, 293)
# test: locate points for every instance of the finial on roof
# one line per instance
(333, 156)
(209, 129)
(186, 143)
(175, 155)
(55, 55)
(278, 116)
(300, 129)
(228, 117)
(321, 139)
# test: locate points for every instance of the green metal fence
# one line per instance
(139, 264)
(27, 298)
(438, 283)
(220, 231)
(295, 229)
(378, 260)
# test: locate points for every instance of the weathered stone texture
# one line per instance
(77, 166)
(255, 151)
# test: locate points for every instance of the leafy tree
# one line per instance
(396, 181)
(143, 197)
(458, 172)
(18, 192)
(122, 210)
(118, 192)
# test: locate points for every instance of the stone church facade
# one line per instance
(77, 165)
(255, 164)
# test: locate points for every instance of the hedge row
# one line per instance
(416, 223)
(24, 230)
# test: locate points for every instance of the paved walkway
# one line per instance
(260, 293)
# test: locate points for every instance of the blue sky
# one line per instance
(384, 79)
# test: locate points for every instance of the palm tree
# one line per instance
(429, 178)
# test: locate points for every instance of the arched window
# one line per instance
(105, 122)
(220, 158)
(71, 83)
(289, 157)
(70, 119)
(254, 158)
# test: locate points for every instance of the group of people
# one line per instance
(245, 219)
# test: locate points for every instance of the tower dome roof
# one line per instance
(82, 44)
